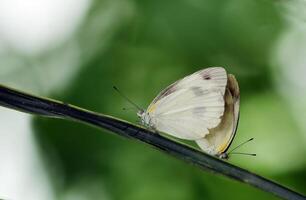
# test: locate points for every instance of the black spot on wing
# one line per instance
(205, 75)
(198, 91)
(199, 111)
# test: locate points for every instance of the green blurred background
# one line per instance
(75, 51)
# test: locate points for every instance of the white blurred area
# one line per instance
(278, 117)
(28, 30)
(290, 61)
(43, 46)
(37, 41)
(34, 26)
(21, 171)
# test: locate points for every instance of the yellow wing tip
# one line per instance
(222, 147)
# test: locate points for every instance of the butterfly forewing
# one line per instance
(188, 108)
(210, 78)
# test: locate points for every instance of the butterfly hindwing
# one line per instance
(220, 137)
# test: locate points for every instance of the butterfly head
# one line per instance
(144, 117)
(224, 156)
(140, 113)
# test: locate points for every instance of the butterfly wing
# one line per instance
(188, 108)
(220, 138)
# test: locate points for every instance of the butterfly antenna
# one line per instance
(125, 109)
(243, 143)
(248, 154)
(126, 98)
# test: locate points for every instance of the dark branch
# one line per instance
(49, 108)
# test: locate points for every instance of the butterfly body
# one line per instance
(203, 107)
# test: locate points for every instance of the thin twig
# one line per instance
(49, 108)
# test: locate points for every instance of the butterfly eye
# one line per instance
(140, 112)
(224, 156)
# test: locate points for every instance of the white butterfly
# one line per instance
(203, 107)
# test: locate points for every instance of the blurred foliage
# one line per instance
(143, 46)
